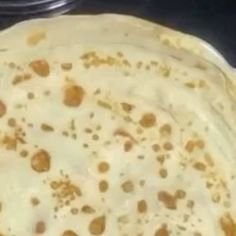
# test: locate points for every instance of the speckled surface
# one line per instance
(213, 21)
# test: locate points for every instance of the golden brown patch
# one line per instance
(21, 78)
(3, 109)
(200, 144)
(128, 146)
(127, 107)
(190, 85)
(30, 96)
(228, 225)
(168, 146)
(180, 194)
(35, 201)
(36, 38)
(69, 233)
(103, 167)
(189, 147)
(87, 209)
(74, 211)
(120, 54)
(142, 206)
(156, 147)
(148, 120)
(215, 197)
(46, 127)
(161, 159)
(104, 104)
(199, 166)
(197, 234)
(95, 137)
(11, 122)
(163, 173)
(163, 231)
(40, 67)
(200, 65)
(66, 66)
(123, 133)
(24, 153)
(73, 96)
(10, 142)
(65, 191)
(41, 161)
(40, 227)
(165, 129)
(190, 204)
(167, 199)
(128, 186)
(103, 186)
(98, 225)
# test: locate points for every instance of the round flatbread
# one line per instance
(111, 125)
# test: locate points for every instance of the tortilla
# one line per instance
(111, 125)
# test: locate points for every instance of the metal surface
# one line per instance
(26, 7)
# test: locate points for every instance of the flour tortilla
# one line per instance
(111, 125)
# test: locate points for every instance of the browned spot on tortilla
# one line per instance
(21, 78)
(163, 173)
(104, 104)
(127, 107)
(69, 233)
(128, 186)
(35, 201)
(66, 66)
(36, 38)
(40, 227)
(103, 186)
(228, 225)
(199, 166)
(165, 129)
(11, 122)
(47, 128)
(128, 145)
(3, 109)
(98, 225)
(40, 67)
(180, 194)
(200, 66)
(163, 231)
(87, 209)
(10, 142)
(103, 167)
(142, 206)
(167, 199)
(190, 146)
(30, 96)
(73, 96)
(41, 161)
(123, 133)
(148, 120)
(168, 146)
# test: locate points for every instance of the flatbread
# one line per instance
(111, 125)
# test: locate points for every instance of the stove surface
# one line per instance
(211, 20)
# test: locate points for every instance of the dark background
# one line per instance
(212, 20)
